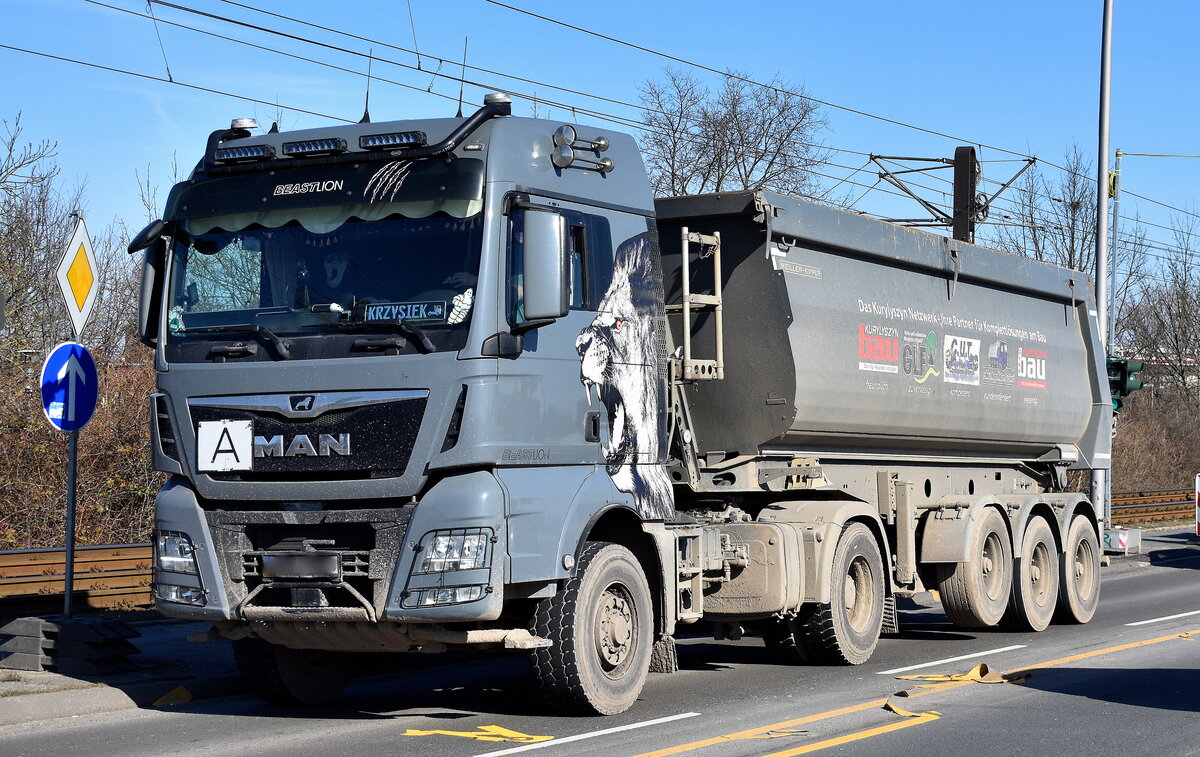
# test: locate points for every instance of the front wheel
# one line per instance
(846, 630)
(601, 631)
(292, 676)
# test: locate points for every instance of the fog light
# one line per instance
(174, 552)
(184, 595)
(443, 595)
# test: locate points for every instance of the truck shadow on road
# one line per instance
(1156, 688)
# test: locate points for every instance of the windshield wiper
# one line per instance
(398, 324)
(244, 328)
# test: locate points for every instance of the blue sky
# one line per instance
(1021, 75)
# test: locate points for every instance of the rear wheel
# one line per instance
(1035, 581)
(601, 629)
(846, 630)
(784, 639)
(1079, 589)
(975, 593)
(292, 676)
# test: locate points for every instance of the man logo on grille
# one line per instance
(302, 403)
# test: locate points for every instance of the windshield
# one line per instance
(312, 271)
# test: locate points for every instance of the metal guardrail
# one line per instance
(115, 576)
(119, 575)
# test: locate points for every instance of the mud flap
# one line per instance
(663, 657)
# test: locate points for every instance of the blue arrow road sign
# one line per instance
(70, 387)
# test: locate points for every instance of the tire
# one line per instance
(601, 631)
(846, 632)
(292, 676)
(975, 593)
(784, 639)
(1034, 593)
(1079, 577)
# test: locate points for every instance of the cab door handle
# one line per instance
(591, 427)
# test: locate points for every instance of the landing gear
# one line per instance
(975, 593)
(601, 629)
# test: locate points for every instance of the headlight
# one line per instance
(174, 553)
(460, 549)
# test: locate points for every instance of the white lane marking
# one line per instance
(591, 735)
(1168, 617)
(951, 659)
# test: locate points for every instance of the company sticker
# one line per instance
(1031, 368)
(920, 360)
(407, 311)
(878, 348)
(998, 370)
(962, 360)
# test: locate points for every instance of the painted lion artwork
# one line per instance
(618, 356)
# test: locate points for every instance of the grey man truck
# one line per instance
(462, 383)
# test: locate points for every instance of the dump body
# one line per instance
(844, 334)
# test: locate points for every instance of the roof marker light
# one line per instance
(247, 154)
(392, 141)
(308, 147)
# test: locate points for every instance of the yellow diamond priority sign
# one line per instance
(77, 273)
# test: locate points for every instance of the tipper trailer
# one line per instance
(462, 383)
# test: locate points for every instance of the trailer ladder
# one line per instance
(691, 304)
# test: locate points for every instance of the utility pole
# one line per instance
(1100, 477)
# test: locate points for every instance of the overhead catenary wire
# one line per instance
(620, 120)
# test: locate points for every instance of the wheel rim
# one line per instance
(1040, 580)
(615, 630)
(1084, 576)
(991, 566)
(857, 595)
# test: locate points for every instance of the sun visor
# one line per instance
(367, 190)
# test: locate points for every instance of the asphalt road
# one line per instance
(1127, 683)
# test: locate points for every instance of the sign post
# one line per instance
(69, 393)
(70, 384)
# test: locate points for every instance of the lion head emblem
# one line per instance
(618, 356)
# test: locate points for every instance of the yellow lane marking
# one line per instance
(924, 717)
(485, 733)
(754, 733)
(1098, 652)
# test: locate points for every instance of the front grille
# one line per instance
(380, 437)
(366, 543)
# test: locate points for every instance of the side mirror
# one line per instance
(546, 266)
(150, 296)
(147, 236)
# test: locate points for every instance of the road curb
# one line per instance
(94, 698)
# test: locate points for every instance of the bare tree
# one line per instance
(744, 136)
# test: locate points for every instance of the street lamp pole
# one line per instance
(1099, 477)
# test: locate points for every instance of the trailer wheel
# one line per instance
(784, 639)
(1079, 578)
(601, 629)
(292, 676)
(845, 631)
(1035, 581)
(975, 593)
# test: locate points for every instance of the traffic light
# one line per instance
(1122, 379)
(968, 204)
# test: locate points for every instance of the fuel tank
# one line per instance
(844, 334)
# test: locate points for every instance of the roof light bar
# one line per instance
(393, 141)
(329, 146)
(247, 154)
